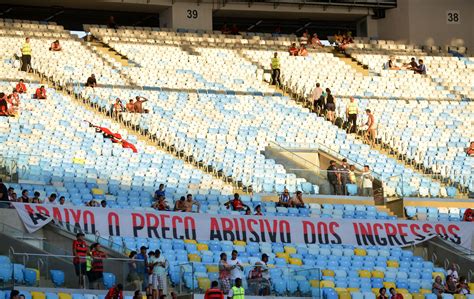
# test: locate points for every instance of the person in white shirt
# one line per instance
(367, 179)
(160, 265)
(316, 96)
(51, 200)
(237, 268)
(453, 272)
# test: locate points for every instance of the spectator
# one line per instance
(351, 112)
(62, 201)
(367, 180)
(390, 65)
(382, 293)
(371, 133)
(344, 173)
(275, 64)
(285, 199)
(141, 266)
(298, 202)
(468, 215)
(115, 292)
(453, 272)
(103, 203)
(160, 191)
(36, 197)
(352, 174)
(3, 105)
(10, 192)
(111, 23)
(149, 271)
(224, 273)
(214, 292)
(160, 265)
(463, 286)
(91, 81)
(55, 46)
(234, 30)
(80, 252)
(304, 39)
(11, 105)
(133, 277)
(24, 197)
(15, 99)
(317, 97)
(21, 87)
(161, 204)
(130, 106)
(117, 108)
(395, 295)
(412, 65)
(248, 212)
(421, 69)
(330, 105)
(97, 271)
(180, 205)
(237, 291)
(302, 51)
(26, 56)
(139, 104)
(51, 199)
(450, 286)
(237, 268)
(137, 295)
(4, 195)
(438, 288)
(258, 210)
(293, 50)
(316, 42)
(14, 294)
(334, 178)
(40, 93)
(190, 202)
(265, 284)
(236, 203)
(470, 149)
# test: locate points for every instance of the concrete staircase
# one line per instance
(361, 69)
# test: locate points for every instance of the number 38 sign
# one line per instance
(453, 17)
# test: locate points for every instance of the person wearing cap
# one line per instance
(115, 292)
(55, 46)
(80, 251)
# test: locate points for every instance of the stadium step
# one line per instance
(352, 63)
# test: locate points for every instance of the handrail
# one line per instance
(28, 254)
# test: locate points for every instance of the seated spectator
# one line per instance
(93, 203)
(463, 286)
(161, 204)
(91, 81)
(4, 105)
(24, 197)
(470, 149)
(139, 104)
(390, 65)
(160, 192)
(190, 202)
(412, 65)
(453, 272)
(62, 201)
(468, 215)
(293, 50)
(258, 211)
(10, 192)
(236, 203)
(316, 42)
(248, 212)
(302, 51)
(180, 205)
(450, 286)
(51, 199)
(438, 288)
(395, 295)
(297, 202)
(55, 46)
(130, 106)
(15, 99)
(382, 293)
(111, 23)
(421, 69)
(21, 87)
(117, 108)
(40, 93)
(115, 292)
(36, 197)
(103, 203)
(284, 199)
(304, 38)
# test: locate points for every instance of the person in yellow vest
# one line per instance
(26, 56)
(237, 291)
(351, 113)
(275, 69)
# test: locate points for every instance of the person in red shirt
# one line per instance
(3, 105)
(214, 292)
(21, 87)
(382, 293)
(40, 93)
(236, 203)
(302, 51)
(97, 271)
(293, 50)
(115, 292)
(468, 215)
(470, 149)
(80, 251)
(395, 295)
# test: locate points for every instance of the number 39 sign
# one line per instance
(453, 17)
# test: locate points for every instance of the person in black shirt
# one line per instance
(344, 176)
(91, 81)
(3, 195)
(334, 178)
(24, 196)
(330, 105)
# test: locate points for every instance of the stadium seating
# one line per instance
(434, 214)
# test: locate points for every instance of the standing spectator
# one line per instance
(190, 202)
(4, 198)
(214, 292)
(371, 133)
(352, 174)
(24, 197)
(80, 252)
(115, 292)
(334, 178)
(264, 283)
(438, 288)
(351, 113)
(330, 105)
(258, 210)
(236, 203)
(453, 272)
(117, 108)
(316, 96)
(367, 180)
(237, 268)
(293, 50)
(463, 286)
(142, 265)
(382, 293)
(160, 265)
(40, 93)
(26, 56)
(470, 149)
(224, 273)
(97, 271)
(55, 46)
(298, 202)
(285, 199)
(160, 191)
(237, 291)
(51, 199)
(395, 295)
(91, 81)
(344, 172)
(421, 69)
(130, 106)
(21, 87)
(302, 51)
(139, 104)
(133, 277)
(275, 64)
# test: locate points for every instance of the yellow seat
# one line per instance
(64, 296)
(471, 285)
(360, 252)
(212, 268)
(78, 161)
(378, 274)
(403, 291)
(407, 296)
(425, 291)
(364, 274)
(459, 296)
(393, 264)
(290, 249)
(190, 241)
(340, 290)
(240, 243)
(375, 291)
(202, 247)
(327, 284)
(441, 274)
(38, 295)
(97, 191)
(352, 289)
(295, 261)
(417, 296)
(204, 283)
(344, 295)
(283, 255)
(388, 285)
(193, 257)
(328, 273)
(314, 283)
